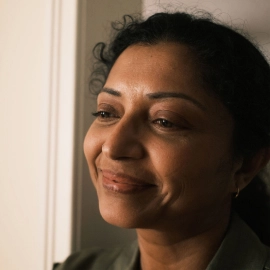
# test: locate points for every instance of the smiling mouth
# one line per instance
(120, 183)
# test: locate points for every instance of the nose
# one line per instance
(123, 140)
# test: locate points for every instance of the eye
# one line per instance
(164, 123)
(104, 115)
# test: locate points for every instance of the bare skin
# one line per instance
(161, 158)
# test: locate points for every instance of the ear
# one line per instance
(249, 167)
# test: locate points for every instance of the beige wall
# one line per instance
(37, 52)
(21, 78)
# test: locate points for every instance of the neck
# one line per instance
(175, 249)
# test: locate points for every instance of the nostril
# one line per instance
(123, 149)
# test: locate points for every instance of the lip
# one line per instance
(123, 183)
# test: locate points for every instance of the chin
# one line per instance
(123, 213)
(118, 220)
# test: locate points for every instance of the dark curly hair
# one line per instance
(231, 67)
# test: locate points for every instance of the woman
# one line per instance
(182, 128)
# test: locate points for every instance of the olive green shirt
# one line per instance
(240, 250)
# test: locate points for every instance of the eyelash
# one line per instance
(164, 123)
(103, 114)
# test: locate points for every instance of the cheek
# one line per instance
(174, 157)
(191, 164)
(92, 148)
(192, 179)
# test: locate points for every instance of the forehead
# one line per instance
(165, 60)
(144, 69)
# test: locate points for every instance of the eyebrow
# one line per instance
(159, 96)
(166, 95)
(111, 92)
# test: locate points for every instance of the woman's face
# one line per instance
(160, 149)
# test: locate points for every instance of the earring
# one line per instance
(237, 193)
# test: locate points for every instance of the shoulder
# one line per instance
(124, 257)
(241, 249)
(84, 259)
